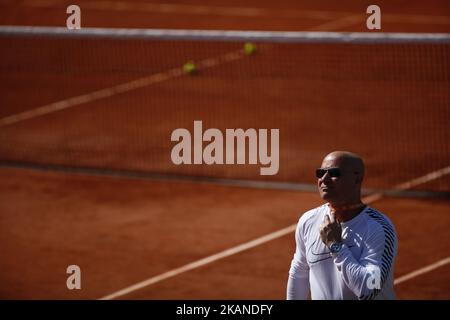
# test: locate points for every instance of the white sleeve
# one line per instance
(366, 276)
(298, 281)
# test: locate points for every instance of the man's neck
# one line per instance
(347, 211)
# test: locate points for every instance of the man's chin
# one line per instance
(326, 196)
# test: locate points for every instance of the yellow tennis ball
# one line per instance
(189, 67)
(249, 48)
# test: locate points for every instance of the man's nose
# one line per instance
(326, 177)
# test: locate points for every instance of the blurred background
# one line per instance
(86, 120)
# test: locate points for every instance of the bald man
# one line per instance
(344, 248)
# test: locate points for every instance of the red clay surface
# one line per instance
(122, 231)
(396, 101)
(286, 15)
(390, 98)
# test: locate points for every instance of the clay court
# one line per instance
(93, 184)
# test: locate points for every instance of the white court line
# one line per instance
(188, 9)
(146, 81)
(416, 19)
(139, 83)
(89, 97)
(201, 262)
(412, 183)
(261, 240)
(424, 179)
(423, 270)
(340, 23)
(191, 9)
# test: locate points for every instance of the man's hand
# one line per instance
(330, 230)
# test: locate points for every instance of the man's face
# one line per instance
(338, 182)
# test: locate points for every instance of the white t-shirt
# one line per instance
(363, 269)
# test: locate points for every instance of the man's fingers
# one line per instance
(332, 217)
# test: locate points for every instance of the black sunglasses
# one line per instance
(333, 172)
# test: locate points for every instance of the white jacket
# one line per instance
(363, 269)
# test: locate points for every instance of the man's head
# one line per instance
(340, 177)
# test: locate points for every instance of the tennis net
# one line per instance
(109, 99)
